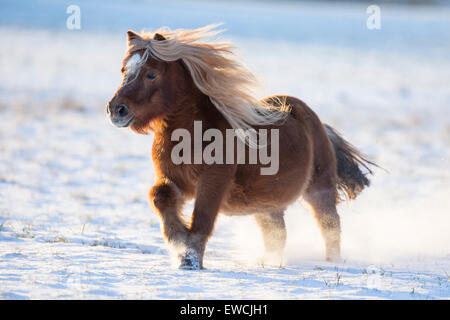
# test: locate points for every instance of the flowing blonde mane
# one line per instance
(215, 71)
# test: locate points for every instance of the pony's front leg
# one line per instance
(210, 191)
(167, 201)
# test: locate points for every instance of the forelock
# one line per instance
(133, 63)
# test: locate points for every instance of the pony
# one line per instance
(172, 80)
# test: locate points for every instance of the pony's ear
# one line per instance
(158, 36)
(131, 35)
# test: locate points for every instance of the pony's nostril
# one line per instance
(122, 110)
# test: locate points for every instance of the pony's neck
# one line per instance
(196, 107)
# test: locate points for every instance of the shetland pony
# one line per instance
(171, 80)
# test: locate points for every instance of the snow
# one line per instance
(74, 218)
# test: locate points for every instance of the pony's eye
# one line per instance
(150, 76)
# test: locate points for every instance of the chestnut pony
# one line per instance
(170, 80)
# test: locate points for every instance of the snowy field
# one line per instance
(74, 218)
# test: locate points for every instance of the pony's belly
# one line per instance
(253, 192)
(264, 195)
(257, 205)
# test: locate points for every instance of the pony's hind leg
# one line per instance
(322, 200)
(273, 230)
(167, 201)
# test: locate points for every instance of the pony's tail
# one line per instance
(350, 165)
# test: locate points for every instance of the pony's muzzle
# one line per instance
(120, 115)
(119, 110)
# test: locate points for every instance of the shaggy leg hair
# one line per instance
(273, 230)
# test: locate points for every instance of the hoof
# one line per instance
(333, 254)
(333, 258)
(274, 258)
(190, 260)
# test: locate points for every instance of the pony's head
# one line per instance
(162, 69)
(150, 87)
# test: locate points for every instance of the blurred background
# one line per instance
(69, 179)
